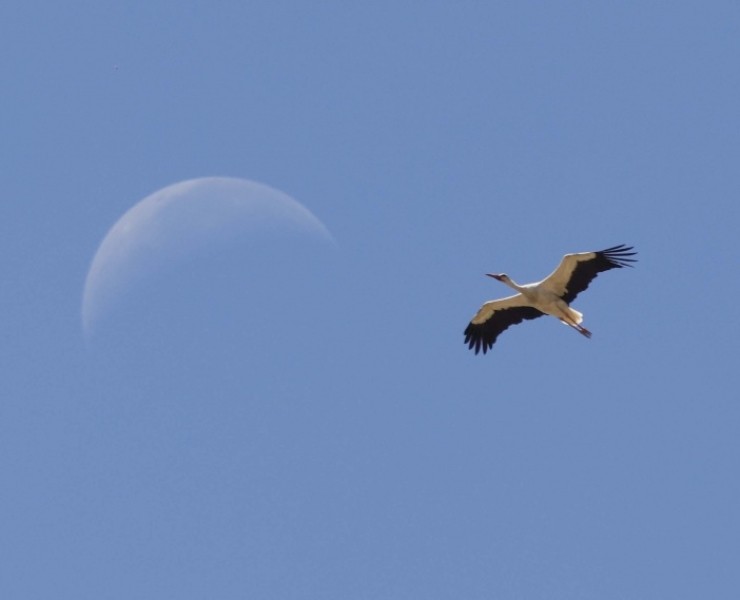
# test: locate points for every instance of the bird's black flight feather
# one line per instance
(481, 336)
(585, 272)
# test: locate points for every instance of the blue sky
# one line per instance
(285, 421)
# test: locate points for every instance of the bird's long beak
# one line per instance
(494, 275)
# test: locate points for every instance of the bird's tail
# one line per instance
(575, 315)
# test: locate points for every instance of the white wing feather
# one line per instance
(557, 281)
(486, 311)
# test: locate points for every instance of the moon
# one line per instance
(183, 219)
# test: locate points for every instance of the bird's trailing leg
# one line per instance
(583, 331)
(570, 316)
(579, 328)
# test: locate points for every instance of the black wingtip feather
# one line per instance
(474, 343)
(618, 256)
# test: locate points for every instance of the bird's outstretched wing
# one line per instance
(494, 317)
(576, 271)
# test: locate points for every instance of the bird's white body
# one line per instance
(551, 296)
(537, 295)
(550, 303)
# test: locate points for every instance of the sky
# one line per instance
(272, 418)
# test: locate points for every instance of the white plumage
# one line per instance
(551, 296)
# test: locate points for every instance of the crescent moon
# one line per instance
(181, 218)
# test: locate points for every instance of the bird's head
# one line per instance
(502, 277)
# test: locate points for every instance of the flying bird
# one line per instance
(551, 296)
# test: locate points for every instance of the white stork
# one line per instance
(550, 296)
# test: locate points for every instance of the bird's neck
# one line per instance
(514, 285)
